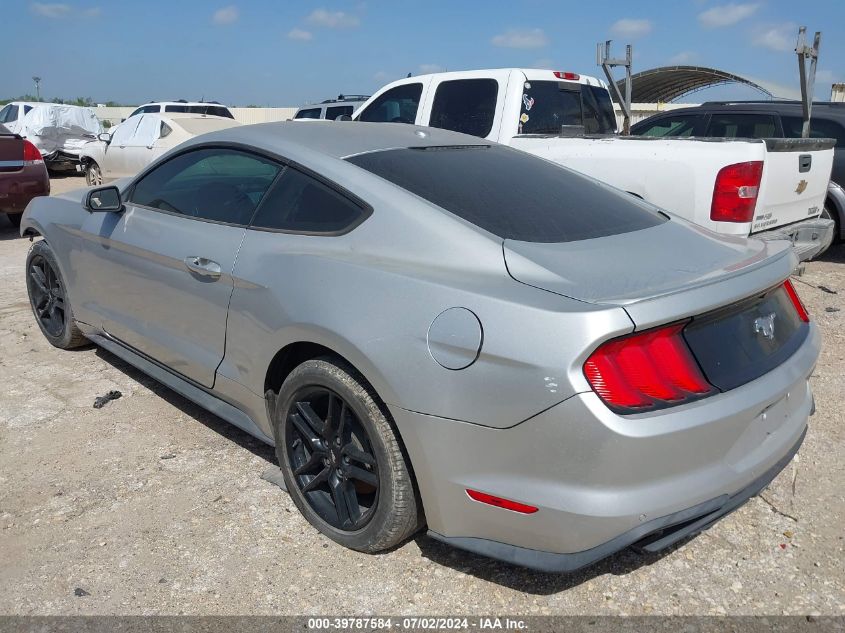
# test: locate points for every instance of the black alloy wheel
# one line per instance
(47, 295)
(331, 458)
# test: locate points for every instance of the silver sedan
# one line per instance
(433, 329)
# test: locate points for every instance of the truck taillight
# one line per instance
(645, 371)
(31, 155)
(566, 75)
(735, 192)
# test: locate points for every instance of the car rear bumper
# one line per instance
(809, 237)
(600, 481)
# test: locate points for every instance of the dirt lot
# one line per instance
(152, 506)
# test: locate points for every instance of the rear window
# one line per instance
(465, 105)
(549, 105)
(510, 193)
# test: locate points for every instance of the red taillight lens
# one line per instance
(507, 504)
(31, 155)
(796, 301)
(570, 76)
(650, 370)
(735, 192)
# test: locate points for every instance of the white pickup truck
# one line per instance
(768, 188)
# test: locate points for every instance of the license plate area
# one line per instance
(740, 343)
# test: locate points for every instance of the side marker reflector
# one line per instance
(507, 504)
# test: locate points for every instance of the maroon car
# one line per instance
(23, 175)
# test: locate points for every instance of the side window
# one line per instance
(311, 113)
(26, 109)
(135, 112)
(681, 125)
(9, 113)
(819, 128)
(215, 184)
(146, 133)
(465, 105)
(332, 112)
(124, 131)
(299, 203)
(397, 105)
(152, 109)
(742, 126)
(175, 108)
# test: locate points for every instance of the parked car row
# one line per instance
(374, 297)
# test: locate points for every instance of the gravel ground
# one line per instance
(150, 505)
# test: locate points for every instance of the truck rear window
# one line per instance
(510, 193)
(549, 105)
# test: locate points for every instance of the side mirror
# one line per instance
(104, 200)
(104, 136)
(344, 117)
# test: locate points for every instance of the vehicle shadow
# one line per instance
(528, 580)
(834, 254)
(7, 230)
(213, 422)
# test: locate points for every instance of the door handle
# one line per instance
(203, 266)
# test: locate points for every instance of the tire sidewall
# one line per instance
(328, 375)
(41, 249)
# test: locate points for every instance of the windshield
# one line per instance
(510, 193)
(549, 105)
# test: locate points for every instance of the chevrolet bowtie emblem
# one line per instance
(801, 187)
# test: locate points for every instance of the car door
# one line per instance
(158, 275)
(114, 161)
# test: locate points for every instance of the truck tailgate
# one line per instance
(794, 185)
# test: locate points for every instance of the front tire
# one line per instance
(93, 174)
(48, 298)
(341, 458)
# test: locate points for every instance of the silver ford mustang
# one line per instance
(437, 330)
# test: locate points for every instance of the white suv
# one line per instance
(211, 108)
(330, 109)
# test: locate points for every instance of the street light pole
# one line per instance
(37, 81)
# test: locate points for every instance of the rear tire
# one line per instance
(341, 458)
(49, 300)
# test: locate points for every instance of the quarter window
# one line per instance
(9, 113)
(215, 184)
(465, 105)
(819, 128)
(299, 203)
(397, 105)
(332, 112)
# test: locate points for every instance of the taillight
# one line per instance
(507, 504)
(735, 192)
(796, 301)
(31, 155)
(570, 76)
(650, 370)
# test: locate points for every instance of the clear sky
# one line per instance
(282, 53)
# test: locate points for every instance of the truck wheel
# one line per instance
(93, 175)
(48, 298)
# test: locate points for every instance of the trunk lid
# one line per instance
(794, 183)
(659, 274)
(11, 153)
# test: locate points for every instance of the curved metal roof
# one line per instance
(668, 83)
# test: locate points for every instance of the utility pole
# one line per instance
(807, 76)
(607, 63)
(37, 81)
